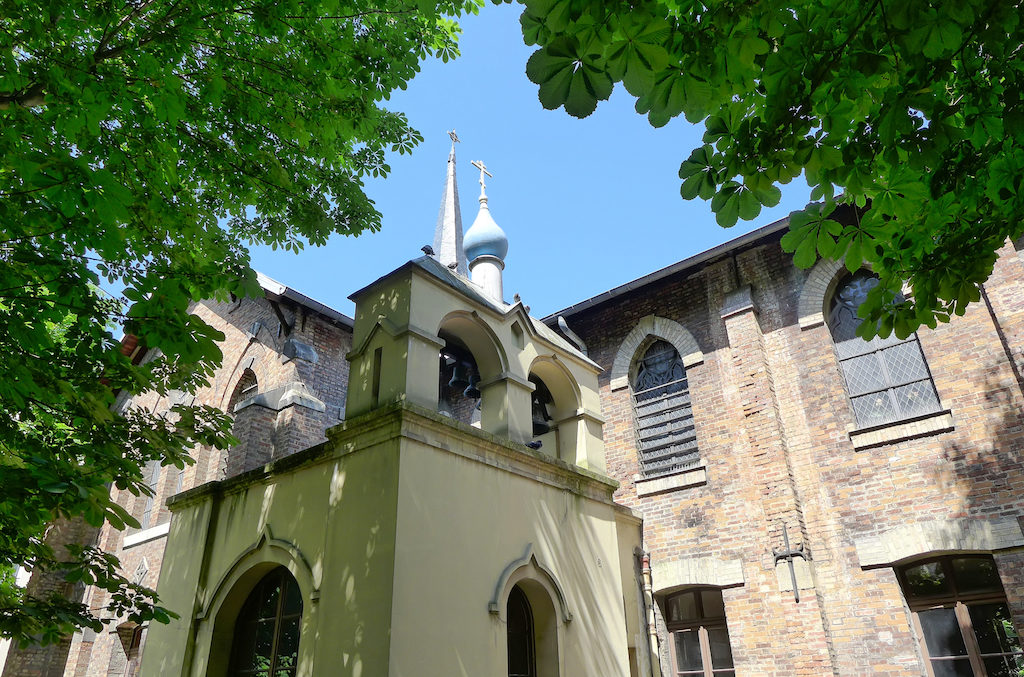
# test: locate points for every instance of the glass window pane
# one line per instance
(264, 645)
(863, 374)
(942, 633)
(954, 668)
(714, 605)
(976, 574)
(292, 599)
(905, 362)
(993, 628)
(268, 602)
(916, 398)
(873, 409)
(721, 652)
(687, 650)
(683, 607)
(843, 319)
(927, 580)
(1004, 666)
(288, 643)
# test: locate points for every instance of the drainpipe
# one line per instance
(652, 626)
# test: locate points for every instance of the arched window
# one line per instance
(666, 437)
(153, 482)
(700, 639)
(961, 617)
(887, 379)
(246, 387)
(522, 655)
(266, 640)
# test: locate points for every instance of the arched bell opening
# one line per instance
(555, 408)
(459, 396)
(470, 359)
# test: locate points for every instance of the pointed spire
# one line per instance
(448, 234)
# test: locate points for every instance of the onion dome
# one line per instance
(485, 237)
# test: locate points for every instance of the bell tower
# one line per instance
(424, 329)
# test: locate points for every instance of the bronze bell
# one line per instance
(540, 418)
(460, 376)
(472, 392)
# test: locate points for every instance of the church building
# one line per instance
(701, 472)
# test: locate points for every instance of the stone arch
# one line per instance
(528, 568)
(817, 290)
(481, 340)
(254, 358)
(547, 602)
(649, 329)
(217, 617)
(564, 388)
(246, 386)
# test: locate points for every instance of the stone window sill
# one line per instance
(146, 535)
(691, 477)
(920, 426)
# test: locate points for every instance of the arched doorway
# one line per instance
(522, 655)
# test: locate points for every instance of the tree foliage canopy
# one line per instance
(144, 143)
(911, 111)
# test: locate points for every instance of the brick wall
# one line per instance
(264, 434)
(773, 424)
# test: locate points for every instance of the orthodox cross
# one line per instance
(479, 164)
(788, 553)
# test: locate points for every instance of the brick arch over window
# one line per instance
(818, 287)
(648, 328)
(258, 359)
(817, 292)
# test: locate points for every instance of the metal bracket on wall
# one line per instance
(788, 553)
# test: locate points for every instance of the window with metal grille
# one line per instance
(887, 379)
(961, 617)
(666, 438)
(267, 631)
(153, 470)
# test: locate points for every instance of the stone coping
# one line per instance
(887, 433)
(402, 419)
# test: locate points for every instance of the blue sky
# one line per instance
(587, 204)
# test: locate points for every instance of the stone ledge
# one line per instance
(294, 393)
(146, 535)
(738, 301)
(811, 321)
(929, 424)
(688, 478)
